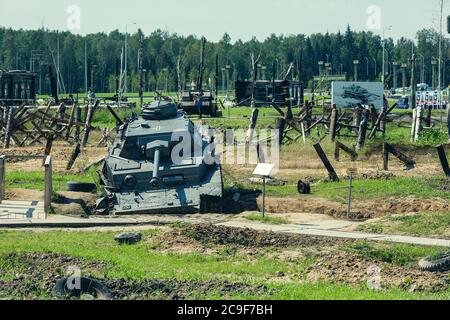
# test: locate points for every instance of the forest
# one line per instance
(36, 49)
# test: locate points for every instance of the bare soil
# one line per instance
(36, 273)
(361, 210)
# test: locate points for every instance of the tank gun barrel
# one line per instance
(155, 181)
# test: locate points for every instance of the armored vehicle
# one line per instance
(197, 100)
(145, 171)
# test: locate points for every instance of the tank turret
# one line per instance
(144, 172)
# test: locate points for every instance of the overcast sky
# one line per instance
(240, 18)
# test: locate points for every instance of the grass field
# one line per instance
(431, 224)
(143, 261)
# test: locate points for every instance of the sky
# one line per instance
(241, 19)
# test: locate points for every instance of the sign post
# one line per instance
(264, 171)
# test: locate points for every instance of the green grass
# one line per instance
(399, 254)
(421, 187)
(35, 180)
(139, 262)
(267, 219)
(420, 224)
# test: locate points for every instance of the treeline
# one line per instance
(21, 49)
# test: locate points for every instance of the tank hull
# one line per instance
(141, 175)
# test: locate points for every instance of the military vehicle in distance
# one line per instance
(198, 101)
(139, 175)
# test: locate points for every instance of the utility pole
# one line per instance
(404, 66)
(367, 68)
(413, 82)
(355, 65)
(383, 75)
(375, 66)
(395, 66)
(126, 56)
(85, 67)
(433, 73)
(440, 56)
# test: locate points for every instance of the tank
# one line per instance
(141, 176)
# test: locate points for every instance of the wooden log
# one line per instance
(333, 123)
(419, 123)
(443, 159)
(357, 115)
(71, 121)
(340, 146)
(48, 146)
(76, 134)
(8, 128)
(363, 130)
(48, 190)
(413, 124)
(73, 157)
(281, 126)
(428, 116)
(385, 157)
(89, 117)
(252, 126)
(2, 177)
(388, 148)
(323, 157)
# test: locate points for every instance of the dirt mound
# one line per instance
(375, 175)
(179, 290)
(24, 194)
(360, 209)
(353, 269)
(221, 235)
(33, 276)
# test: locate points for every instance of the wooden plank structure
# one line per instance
(23, 125)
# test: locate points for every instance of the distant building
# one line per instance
(17, 87)
(284, 90)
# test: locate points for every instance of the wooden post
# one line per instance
(89, 116)
(443, 159)
(448, 121)
(412, 96)
(419, 126)
(357, 115)
(281, 127)
(253, 122)
(8, 128)
(428, 116)
(76, 134)
(337, 151)
(2, 177)
(331, 172)
(333, 123)
(48, 186)
(385, 157)
(48, 146)
(413, 124)
(363, 130)
(71, 120)
(75, 153)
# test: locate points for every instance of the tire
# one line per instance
(303, 187)
(81, 187)
(87, 286)
(440, 263)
